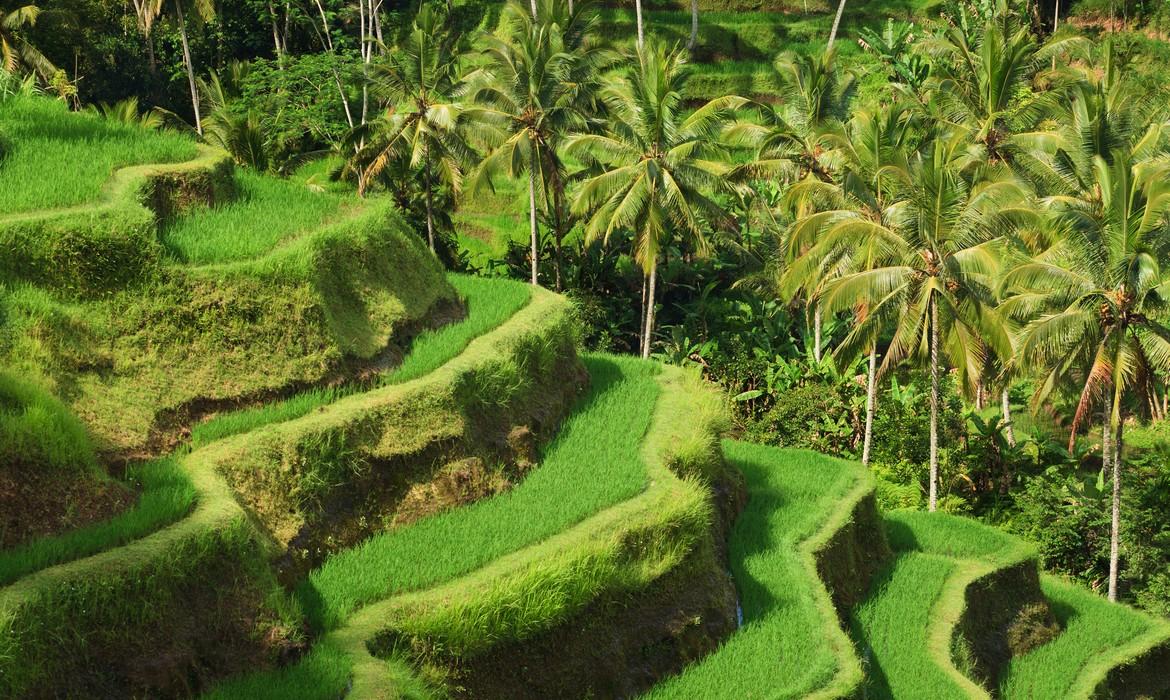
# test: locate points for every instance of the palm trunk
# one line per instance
(650, 311)
(189, 66)
(836, 24)
(870, 400)
(1007, 418)
(1115, 523)
(533, 4)
(642, 316)
(638, 12)
(934, 400)
(532, 210)
(275, 34)
(694, 27)
(430, 208)
(817, 332)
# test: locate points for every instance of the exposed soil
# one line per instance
(35, 504)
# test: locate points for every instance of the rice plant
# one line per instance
(593, 463)
(57, 158)
(266, 212)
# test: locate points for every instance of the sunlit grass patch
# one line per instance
(787, 640)
(266, 212)
(56, 158)
(489, 303)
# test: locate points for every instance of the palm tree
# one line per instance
(1094, 287)
(538, 87)
(873, 170)
(423, 119)
(799, 138)
(654, 166)
(15, 51)
(149, 10)
(935, 251)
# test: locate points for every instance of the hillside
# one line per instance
(258, 441)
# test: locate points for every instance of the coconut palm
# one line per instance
(654, 167)
(836, 26)
(15, 51)
(150, 10)
(538, 87)
(935, 250)
(423, 119)
(1098, 289)
(873, 171)
(798, 138)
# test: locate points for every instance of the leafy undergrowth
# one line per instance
(167, 494)
(1096, 633)
(267, 211)
(790, 642)
(593, 463)
(57, 158)
(488, 302)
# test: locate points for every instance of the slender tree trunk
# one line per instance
(533, 4)
(694, 28)
(275, 34)
(836, 24)
(817, 331)
(532, 212)
(430, 207)
(638, 12)
(870, 400)
(1115, 523)
(190, 67)
(1007, 418)
(642, 316)
(327, 39)
(570, 6)
(1106, 440)
(650, 311)
(934, 401)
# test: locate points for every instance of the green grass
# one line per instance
(267, 212)
(594, 462)
(56, 158)
(489, 303)
(893, 625)
(323, 672)
(1093, 628)
(167, 494)
(783, 646)
(39, 432)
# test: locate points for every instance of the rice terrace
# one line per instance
(585, 349)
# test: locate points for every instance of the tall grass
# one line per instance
(57, 158)
(783, 645)
(593, 463)
(167, 495)
(267, 211)
(489, 303)
(1093, 627)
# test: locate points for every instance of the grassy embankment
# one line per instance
(791, 641)
(475, 576)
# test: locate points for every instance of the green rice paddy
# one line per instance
(267, 212)
(593, 463)
(785, 642)
(57, 158)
